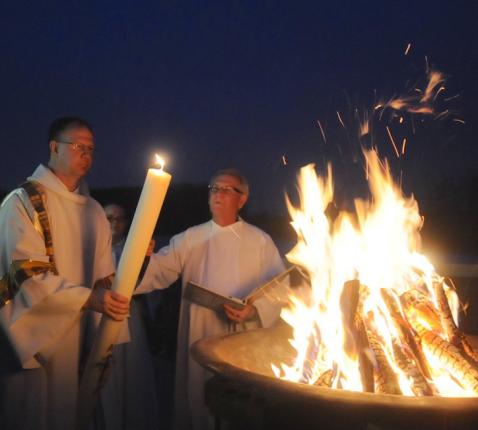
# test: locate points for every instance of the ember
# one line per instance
(377, 317)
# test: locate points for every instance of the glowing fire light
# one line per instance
(377, 316)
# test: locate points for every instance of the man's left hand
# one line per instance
(248, 313)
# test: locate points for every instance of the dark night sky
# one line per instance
(219, 83)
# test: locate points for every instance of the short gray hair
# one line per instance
(234, 173)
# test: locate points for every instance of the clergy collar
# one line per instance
(45, 176)
(232, 227)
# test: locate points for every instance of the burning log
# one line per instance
(384, 377)
(407, 334)
(408, 355)
(454, 335)
(448, 324)
(407, 364)
(417, 307)
(325, 379)
(349, 300)
(365, 365)
(467, 349)
(351, 303)
(451, 358)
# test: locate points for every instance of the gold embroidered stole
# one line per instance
(21, 270)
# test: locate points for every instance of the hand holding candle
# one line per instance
(109, 303)
(139, 236)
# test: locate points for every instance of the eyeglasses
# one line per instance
(79, 147)
(113, 218)
(226, 189)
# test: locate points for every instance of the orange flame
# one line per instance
(378, 247)
(421, 102)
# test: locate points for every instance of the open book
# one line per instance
(273, 288)
(210, 299)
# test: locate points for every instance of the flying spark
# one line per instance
(364, 125)
(442, 88)
(408, 48)
(434, 79)
(322, 131)
(393, 142)
(442, 114)
(340, 119)
(404, 144)
(452, 97)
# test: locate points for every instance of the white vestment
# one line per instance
(43, 321)
(129, 397)
(233, 261)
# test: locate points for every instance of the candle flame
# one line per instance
(159, 162)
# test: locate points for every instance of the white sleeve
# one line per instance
(267, 306)
(165, 266)
(104, 265)
(46, 305)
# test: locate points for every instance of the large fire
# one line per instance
(377, 317)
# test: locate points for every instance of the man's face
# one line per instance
(117, 219)
(74, 151)
(226, 198)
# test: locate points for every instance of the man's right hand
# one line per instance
(109, 303)
(150, 250)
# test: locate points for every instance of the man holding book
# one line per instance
(227, 256)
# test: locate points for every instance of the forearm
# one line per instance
(157, 276)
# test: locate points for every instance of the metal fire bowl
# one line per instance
(244, 360)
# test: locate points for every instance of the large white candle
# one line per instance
(142, 227)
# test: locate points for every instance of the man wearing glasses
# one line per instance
(228, 256)
(55, 246)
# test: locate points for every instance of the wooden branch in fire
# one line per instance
(421, 329)
(455, 336)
